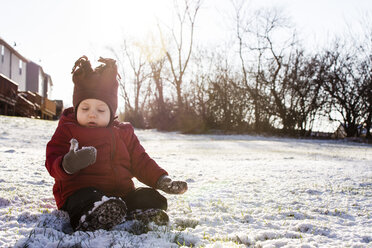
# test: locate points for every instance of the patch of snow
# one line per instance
(243, 191)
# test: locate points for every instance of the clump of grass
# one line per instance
(138, 228)
(182, 224)
(236, 240)
(181, 242)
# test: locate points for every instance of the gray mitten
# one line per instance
(76, 160)
(166, 184)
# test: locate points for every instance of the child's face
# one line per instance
(93, 113)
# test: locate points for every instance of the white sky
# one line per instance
(55, 33)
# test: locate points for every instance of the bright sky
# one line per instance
(55, 33)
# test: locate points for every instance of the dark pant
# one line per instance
(83, 200)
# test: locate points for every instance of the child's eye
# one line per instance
(85, 109)
(101, 110)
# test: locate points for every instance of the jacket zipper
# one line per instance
(114, 172)
(113, 145)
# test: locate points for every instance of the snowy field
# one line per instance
(244, 191)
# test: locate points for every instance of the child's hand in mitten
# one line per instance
(76, 160)
(169, 186)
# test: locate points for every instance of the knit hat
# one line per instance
(100, 83)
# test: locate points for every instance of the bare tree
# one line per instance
(365, 92)
(135, 73)
(243, 32)
(227, 109)
(156, 76)
(342, 84)
(160, 115)
(304, 91)
(183, 40)
(271, 88)
(202, 67)
(365, 68)
(261, 55)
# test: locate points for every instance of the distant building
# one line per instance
(41, 83)
(37, 80)
(8, 95)
(13, 65)
(28, 104)
(24, 86)
(59, 108)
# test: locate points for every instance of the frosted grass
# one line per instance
(244, 191)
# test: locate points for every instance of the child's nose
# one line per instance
(92, 114)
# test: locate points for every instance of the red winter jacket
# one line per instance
(120, 157)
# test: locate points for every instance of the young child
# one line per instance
(93, 158)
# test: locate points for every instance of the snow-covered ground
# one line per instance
(243, 191)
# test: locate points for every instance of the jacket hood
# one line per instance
(68, 115)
